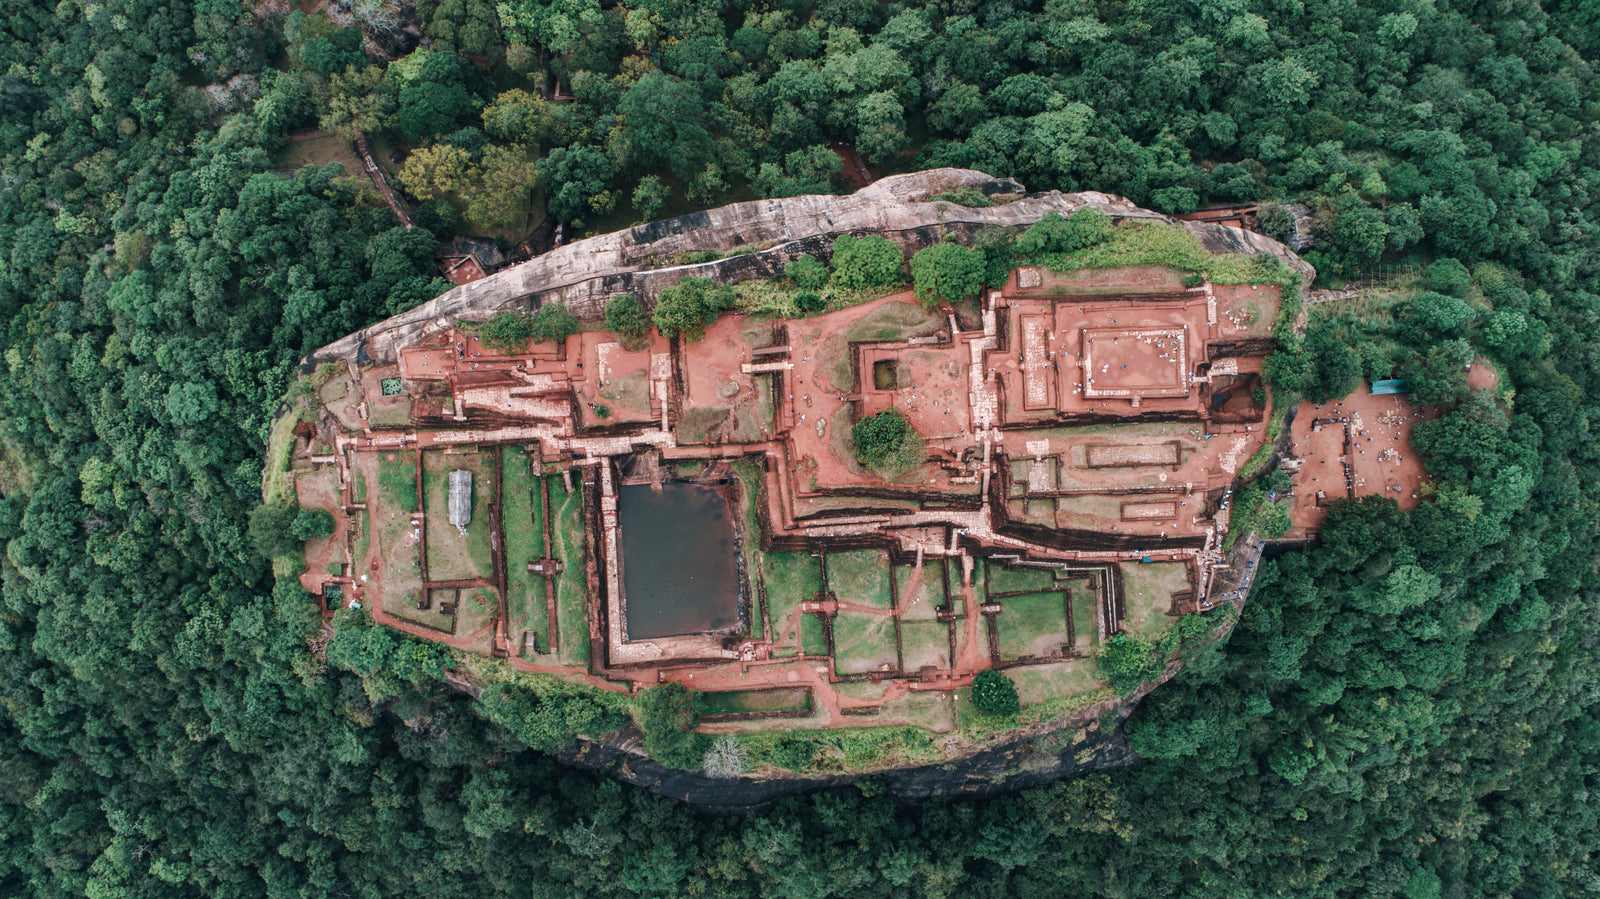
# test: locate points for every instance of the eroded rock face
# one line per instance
(637, 260)
(1029, 761)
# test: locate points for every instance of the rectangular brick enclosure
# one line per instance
(1132, 455)
(1135, 363)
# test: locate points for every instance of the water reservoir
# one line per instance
(678, 571)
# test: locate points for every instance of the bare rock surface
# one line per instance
(639, 260)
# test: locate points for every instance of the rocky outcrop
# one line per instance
(639, 260)
(1027, 761)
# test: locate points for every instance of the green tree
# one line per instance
(627, 319)
(360, 101)
(668, 715)
(994, 694)
(436, 100)
(311, 524)
(500, 198)
(573, 179)
(947, 273)
(886, 443)
(1126, 662)
(687, 307)
(868, 262)
(1449, 277)
(272, 530)
(508, 331)
(664, 126)
(553, 323)
(649, 197)
(1053, 234)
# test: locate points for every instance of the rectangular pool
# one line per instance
(679, 575)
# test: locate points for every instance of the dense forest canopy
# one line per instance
(1408, 709)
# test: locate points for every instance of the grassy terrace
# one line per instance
(1033, 624)
(1001, 579)
(522, 515)
(1154, 243)
(572, 587)
(735, 702)
(452, 554)
(861, 577)
(863, 642)
(790, 578)
(1147, 594)
(1085, 616)
(750, 490)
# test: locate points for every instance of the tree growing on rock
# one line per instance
(509, 331)
(865, 263)
(1053, 234)
(947, 273)
(628, 320)
(553, 323)
(668, 715)
(687, 307)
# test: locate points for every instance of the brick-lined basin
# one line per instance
(678, 571)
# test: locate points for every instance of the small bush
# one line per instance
(807, 273)
(796, 755)
(995, 694)
(809, 303)
(1450, 277)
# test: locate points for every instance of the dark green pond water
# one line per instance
(678, 570)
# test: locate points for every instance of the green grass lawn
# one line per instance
(363, 543)
(862, 642)
(860, 577)
(1085, 616)
(397, 481)
(733, 702)
(451, 554)
(790, 578)
(1000, 579)
(1147, 590)
(1033, 624)
(924, 605)
(1045, 691)
(813, 637)
(924, 643)
(572, 586)
(523, 521)
(749, 477)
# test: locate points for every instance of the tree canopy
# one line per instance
(687, 307)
